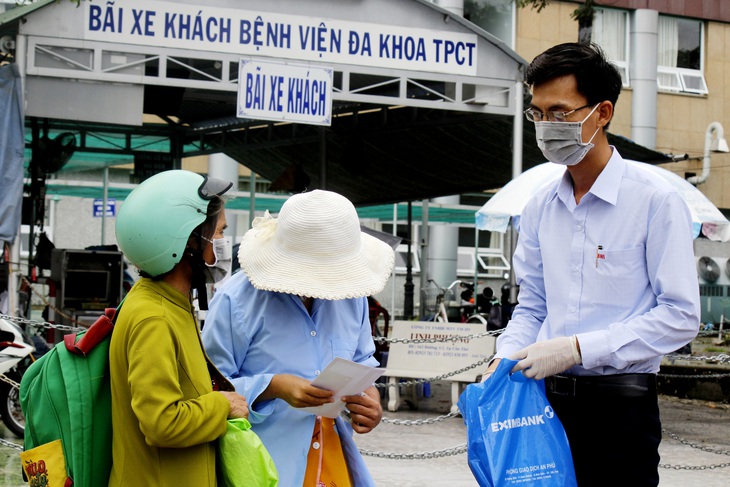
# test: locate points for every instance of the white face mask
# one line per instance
(562, 142)
(223, 252)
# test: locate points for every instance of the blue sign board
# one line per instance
(278, 91)
(111, 207)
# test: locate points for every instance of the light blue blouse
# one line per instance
(251, 335)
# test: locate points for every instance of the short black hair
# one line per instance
(598, 79)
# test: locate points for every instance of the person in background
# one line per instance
(166, 411)
(299, 302)
(490, 307)
(506, 303)
(605, 268)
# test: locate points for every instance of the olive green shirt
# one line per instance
(165, 415)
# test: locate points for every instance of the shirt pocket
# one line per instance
(343, 348)
(620, 276)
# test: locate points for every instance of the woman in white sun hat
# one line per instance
(301, 301)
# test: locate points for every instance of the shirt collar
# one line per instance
(167, 291)
(608, 182)
(605, 187)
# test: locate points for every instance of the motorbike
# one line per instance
(16, 355)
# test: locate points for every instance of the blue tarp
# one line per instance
(12, 145)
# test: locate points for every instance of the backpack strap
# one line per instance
(97, 332)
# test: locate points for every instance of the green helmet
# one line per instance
(157, 218)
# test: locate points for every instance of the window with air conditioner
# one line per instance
(610, 30)
(680, 55)
(495, 16)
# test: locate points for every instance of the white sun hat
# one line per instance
(315, 248)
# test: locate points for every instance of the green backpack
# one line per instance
(66, 395)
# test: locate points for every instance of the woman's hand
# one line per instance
(297, 391)
(490, 370)
(238, 404)
(365, 410)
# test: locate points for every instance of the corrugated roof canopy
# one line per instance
(402, 154)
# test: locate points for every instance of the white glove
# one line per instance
(543, 359)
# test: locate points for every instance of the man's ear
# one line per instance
(605, 113)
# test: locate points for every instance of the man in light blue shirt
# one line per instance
(605, 266)
(299, 302)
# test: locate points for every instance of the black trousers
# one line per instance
(613, 429)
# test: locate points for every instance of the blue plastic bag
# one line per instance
(514, 436)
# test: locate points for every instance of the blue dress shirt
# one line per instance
(617, 270)
(251, 335)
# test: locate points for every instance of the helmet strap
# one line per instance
(197, 263)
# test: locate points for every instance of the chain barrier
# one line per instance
(5, 378)
(10, 444)
(714, 359)
(41, 324)
(462, 448)
(438, 377)
(48, 303)
(694, 376)
(693, 467)
(459, 449)
(455, 450)
(419, 422)
(699, 447)
(694, 445)
(426, 455)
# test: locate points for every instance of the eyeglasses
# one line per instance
(552, 116)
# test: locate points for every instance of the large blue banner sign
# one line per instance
(245, 32)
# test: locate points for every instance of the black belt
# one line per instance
(619, 385)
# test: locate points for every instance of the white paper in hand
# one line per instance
(345, 378)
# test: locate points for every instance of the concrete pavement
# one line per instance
(700, 422)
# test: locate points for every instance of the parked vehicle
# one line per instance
(16, 349)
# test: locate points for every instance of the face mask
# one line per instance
(561, 142)
(223, 253)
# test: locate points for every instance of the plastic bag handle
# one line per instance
(503, 369)
(97, 332)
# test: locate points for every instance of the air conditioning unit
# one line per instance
(714, 278)
(713, 270)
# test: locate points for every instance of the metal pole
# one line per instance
(408, 286)
(424, 256)
(395, 234)
(14, 274)
(512, 279)
(476, 267)
(14, 270)
(35, 183)
(104, 203)
(176, 148)
(517, 135)
(322, 158)
(517, 131)
(251, 199)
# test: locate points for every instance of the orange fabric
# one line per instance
(326, 465)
